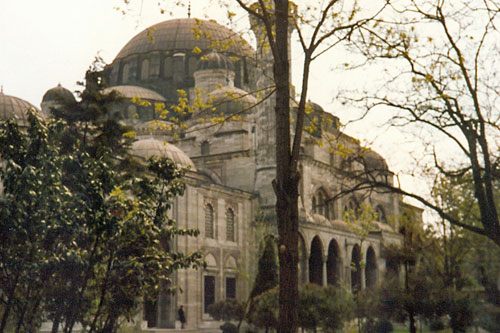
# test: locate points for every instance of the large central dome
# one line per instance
(164, 57)
(184, 35)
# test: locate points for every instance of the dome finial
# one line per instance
(1, 89)
(189, 9)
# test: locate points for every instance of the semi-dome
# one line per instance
(58, 94)
(316, 108)
(135, 91)
(149, 147)
(14, 107)
(231, 100)
(214, 60)
(182, 35)
(374, 161)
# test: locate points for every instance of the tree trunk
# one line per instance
(6, 314)
(286, 182)
(55, 323)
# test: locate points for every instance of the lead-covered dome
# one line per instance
(14, 107)
(149, 147)
(231, 101)
(58, 94)
(133, 91)
(184, 35)
(165, 56)
(214, 60)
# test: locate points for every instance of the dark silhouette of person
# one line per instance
(182, 316)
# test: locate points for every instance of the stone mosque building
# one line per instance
(231, 165)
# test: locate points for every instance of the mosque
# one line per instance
(231, 164)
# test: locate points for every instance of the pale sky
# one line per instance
(46, 42)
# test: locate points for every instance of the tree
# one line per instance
(278, 18)
(84, 239)
(469, 263)
(267, 271)
(437, 60)
(327, 308)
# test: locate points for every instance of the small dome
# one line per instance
(146, 148)
(214, 60)
(13, 107)
(315, 107)
(231, 100)
(58, 94)
(135, 91)
(374, 161)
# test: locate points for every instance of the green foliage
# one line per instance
(324, 307)
(327, 308)
(83, 239)
(267, 274)
(227, 310)
(265, 310)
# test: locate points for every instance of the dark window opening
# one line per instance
(230, 287)
(209, 290)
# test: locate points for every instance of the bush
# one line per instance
(228, 328)
(436, 325)
(383, 326)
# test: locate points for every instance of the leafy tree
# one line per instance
(468, 262)
(265, 310)
(267, 271)
(227, 310)
(327, 308)
(84, 239)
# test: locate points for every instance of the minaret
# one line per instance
(266, 120)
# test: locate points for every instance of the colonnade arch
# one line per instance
(322, 262)
(333, 264)
(370, 269)
(356, 269)
(316, 262)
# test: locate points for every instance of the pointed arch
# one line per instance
(333, 264)
(356, 269)
(371, 269)
(316, 262)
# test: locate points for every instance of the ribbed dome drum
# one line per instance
(185, 34)
(147, 148)
(13, 107)
(58, 94)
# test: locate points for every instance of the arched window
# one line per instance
(320, 204)
(125, 73)
(168, 67)
(205, 148)
(381, 217)
(351, 208)
(209, 221)
(145, 69)
(230, 232)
